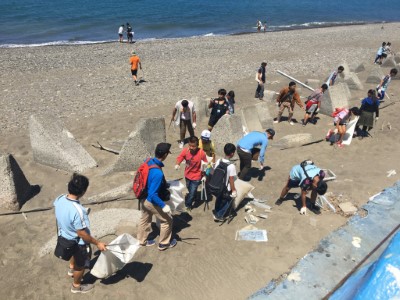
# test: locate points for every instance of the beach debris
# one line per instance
(348, 208)
(391, 173)
(321, 200)
(254, 235)
(262, 216)
(294, 79)
(99, 146)
(389, 126)
(373, 197)
(251, 219)
(261, 205)
(356, 242)
(329, 175)
(249, 209)
(295, 276)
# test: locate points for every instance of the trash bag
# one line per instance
(119, 252)
(177, 200)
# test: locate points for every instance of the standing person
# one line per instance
(184, 115)
(308, 177)
(207, 145)
(260, 78)
(247, 151)
(258, 25)
(121, 33)
(230, 97)
(265, 26)
(313, 104)
(224, 200)
(219, 107)
(129, 33)
(369, 111)
(378, 57)
(341, 118)
(383, 85)
(73, 230)
(334, 75)
(157, 193)
(286, 99)
(135, 62)
(193, 157)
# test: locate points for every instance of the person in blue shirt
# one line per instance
(157, 193)
(247, 149)
(74, 231)
(308, 177)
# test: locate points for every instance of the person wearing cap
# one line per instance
(157, 193)
(287, 97)
(207, 144)
(308, 177)
(135, 62)
(247, 149)
(184, 116)
(193, 157)
(260, 78)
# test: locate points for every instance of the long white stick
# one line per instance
(294, 79)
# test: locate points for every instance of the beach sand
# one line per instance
(89, 87)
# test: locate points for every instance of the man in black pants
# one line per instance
(260, 77)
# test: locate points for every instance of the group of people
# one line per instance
(129, 33)
(383, 52)
(260, 25)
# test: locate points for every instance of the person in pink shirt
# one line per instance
(193, 157)
(341, 118)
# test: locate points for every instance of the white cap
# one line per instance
(206, 135)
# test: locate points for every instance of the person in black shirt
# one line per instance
(219, 107)
(260, 78)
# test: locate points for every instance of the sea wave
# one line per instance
(55, 43)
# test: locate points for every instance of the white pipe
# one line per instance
(294, 79)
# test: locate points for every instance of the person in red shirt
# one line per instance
(135, 62)
(193, 156)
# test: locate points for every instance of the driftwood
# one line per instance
(105, 149)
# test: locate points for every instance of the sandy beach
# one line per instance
(90, 89)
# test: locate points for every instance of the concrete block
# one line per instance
(389, 62)
(348, 208)
(201, 107)
(265, 117)
(117, 192)
(375, 75)
(140, 144)
(15, 189)
(229, 129)
(357, 67)
(54, 146)
(353, 82)
(397, 59)
(337, 95)
(294, 140)
(270, 95)
(250, 118)
(102, 223)
(314, 83)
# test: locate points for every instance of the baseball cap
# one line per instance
(133, 52)
(162, 148)
(271, 132)
(206, 135)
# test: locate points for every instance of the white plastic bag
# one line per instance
(119, 252)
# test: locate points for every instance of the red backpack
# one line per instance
(140, 181)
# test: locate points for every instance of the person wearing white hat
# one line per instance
(207, 145)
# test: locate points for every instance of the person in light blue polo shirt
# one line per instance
(247, 149)
(308, 177)
(73, 229)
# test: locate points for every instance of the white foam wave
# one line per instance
(55, 43)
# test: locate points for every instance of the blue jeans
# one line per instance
(222, 205)
(192, 186)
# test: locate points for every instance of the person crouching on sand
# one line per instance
(341, 117)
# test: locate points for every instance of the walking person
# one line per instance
(247, 150)
(135, 62)
(184, 116)
(369, 112)
(260, 78)
(193, 156)
(157, 193)
(121, 33)
(313, 104)
(73, 230)
(219, 107)
(379, 57)
(383, 85)
(286, 99)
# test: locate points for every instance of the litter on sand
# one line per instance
(251, 219)
(262, 216)
(261, 205)
(329, 175)
(255, 235)
(391, 173)
(321, 200)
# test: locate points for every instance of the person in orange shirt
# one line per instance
(135, 62)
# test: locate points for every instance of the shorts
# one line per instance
(213, 120)
(341, 124)
(120, 35)
(293, 183)
(134, 72)
(384, 55)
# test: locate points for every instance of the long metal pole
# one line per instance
(294, 79)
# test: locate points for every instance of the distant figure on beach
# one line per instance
(334, 75)
(383, 85)
(260, 78)
(184, 116)
(308, 177)
(287, 98)
(379, 57)
(73, 230)
(341, 117)
(230, 97)
(135, 62)
(129, 33)
(369, 112)
(121, 33)
(265, 26)
(313, 103)
(219, 107)
(259, 24)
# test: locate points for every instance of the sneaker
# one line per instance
(180, 145)
(71, 272)
(279, 201)
(148, 243)
(276, 121)
(216, 219)
(316, 209)
(171, 244)
(187, 210)
(291, 123)
(83, 288)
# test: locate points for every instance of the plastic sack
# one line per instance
(119, 252)
(242, 189)
(177, 201)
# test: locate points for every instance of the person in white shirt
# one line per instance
(121, 33)
(184, 116)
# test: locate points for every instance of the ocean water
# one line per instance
(38, 22)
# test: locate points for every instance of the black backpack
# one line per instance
(217, 184)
